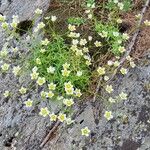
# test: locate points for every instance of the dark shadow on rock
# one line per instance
(24, 26)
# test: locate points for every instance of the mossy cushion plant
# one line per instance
(55, 66)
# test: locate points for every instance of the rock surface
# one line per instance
(22, 129)
(23, 8)
(130, 128)
(26, 129)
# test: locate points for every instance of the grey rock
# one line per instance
(24, 129)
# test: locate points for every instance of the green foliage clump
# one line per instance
(112, 36)
(56, 54)
(76, 20)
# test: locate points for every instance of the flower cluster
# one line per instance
(65, 71)
(13, 24)
(61, 68)
(16, 70)
(79, 45)
(69, 88)
(34, 75)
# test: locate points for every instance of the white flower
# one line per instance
(35, 69)
(79, 73)
(69, 91)
(85, 131)
(90, 38)
(15, 21)
(116, 63)
(47, 18)
(123, 71)
(109, 88)
(52, 86)
(13, 24)
(103, 34)
(110, 62)
(16, 70)
(28, 103)
(2, 18)
(71, 27)
(69, 121)
(121, 5)
(69, 88)
(147, 23)
(74, 48)
(43, 94)
(83, 41)
(78, 92)
(15, 18)
(3, 53)
(132, 64)
(85, 49)
(88, 63)
(42, 50)
(45, 42)
(38, 11)
(4, 25)
(101, 70)
(44, 112)
(123, 96)
(111, 100)
(138, 16)
(87, 57)
(51, 69)
(6, 94)
(129, 58)
(121, 49)
(53, 18)
(116, 34)
(106, 78)
(125, 36)
(38, 61)
(49, 94)
(87, 11)
(90, 16)
(5, 67)
(68, 102)
(66, 65)
(34, 75)
(23, 90)
(74, 35)
(108, 115)
(40, 25)
(68, 85)
(98, 44)
(65, 72)
(119, 41)
(15, 49)
(41, 81)
(119, 20)
(75, 42)
(115, 1)
(79, 53)
(53, 117)
(61, 117)
(60, 98)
